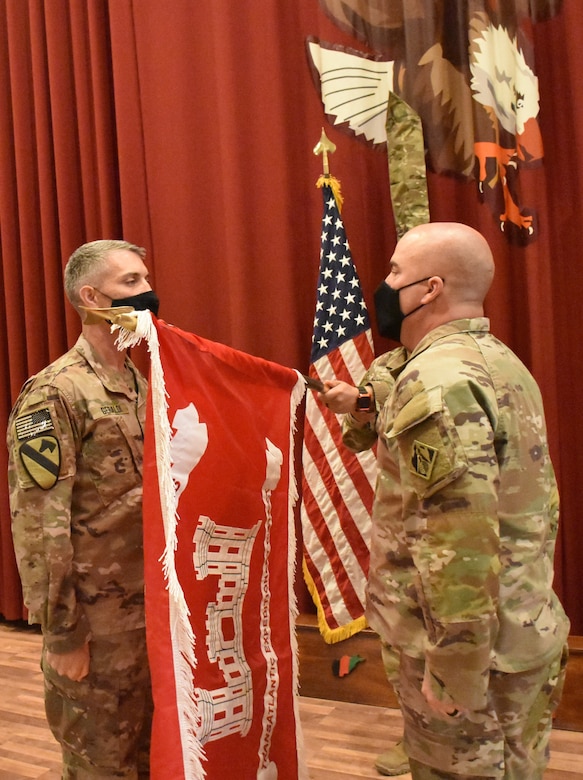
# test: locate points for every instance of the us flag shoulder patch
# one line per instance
(33, 424)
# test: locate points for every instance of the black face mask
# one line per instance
(144, 301)
(388, 309)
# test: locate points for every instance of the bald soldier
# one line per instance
(464, 520)
(75, 440)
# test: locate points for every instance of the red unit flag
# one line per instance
(219, 492)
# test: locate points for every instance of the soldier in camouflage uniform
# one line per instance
(464, 521)
(75, 440)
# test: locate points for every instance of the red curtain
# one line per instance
(188, 128)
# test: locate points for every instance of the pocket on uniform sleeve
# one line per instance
(430, 449)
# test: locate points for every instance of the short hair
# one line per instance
(87, 263)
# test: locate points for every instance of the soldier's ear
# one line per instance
(435, 285)
(88, 296)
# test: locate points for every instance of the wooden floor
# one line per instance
(341, 739)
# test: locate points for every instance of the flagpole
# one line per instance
(325, 147)
(313, 383)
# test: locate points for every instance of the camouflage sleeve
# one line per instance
(41, 473)
(449, 473)
(356, 435)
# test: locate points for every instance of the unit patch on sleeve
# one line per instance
(33, 424)
(423, 458)
(41, 457)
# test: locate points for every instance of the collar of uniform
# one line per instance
(112, 380)
(473, 325)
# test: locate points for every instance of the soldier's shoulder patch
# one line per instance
(41, 458)
(33, 423)
(423, 457)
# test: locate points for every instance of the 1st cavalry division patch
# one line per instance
(41, 457)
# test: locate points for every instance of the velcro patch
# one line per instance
(41, 457)
(423, 458)
(33, 424)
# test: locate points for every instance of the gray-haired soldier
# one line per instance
(465, 519)
(75, 440)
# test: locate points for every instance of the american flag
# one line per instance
(337, 485)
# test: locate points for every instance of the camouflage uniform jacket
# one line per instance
(75, 440)
(466, 510)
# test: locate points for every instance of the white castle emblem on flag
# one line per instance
(225, 552)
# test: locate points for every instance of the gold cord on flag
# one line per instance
(326, 147)
(120, 316)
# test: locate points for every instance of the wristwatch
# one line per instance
(364, 400)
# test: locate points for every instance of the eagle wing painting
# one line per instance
(465, 66)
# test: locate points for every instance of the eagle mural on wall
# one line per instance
(466, 67)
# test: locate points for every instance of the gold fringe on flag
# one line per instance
(334, 184)
(330, 635)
